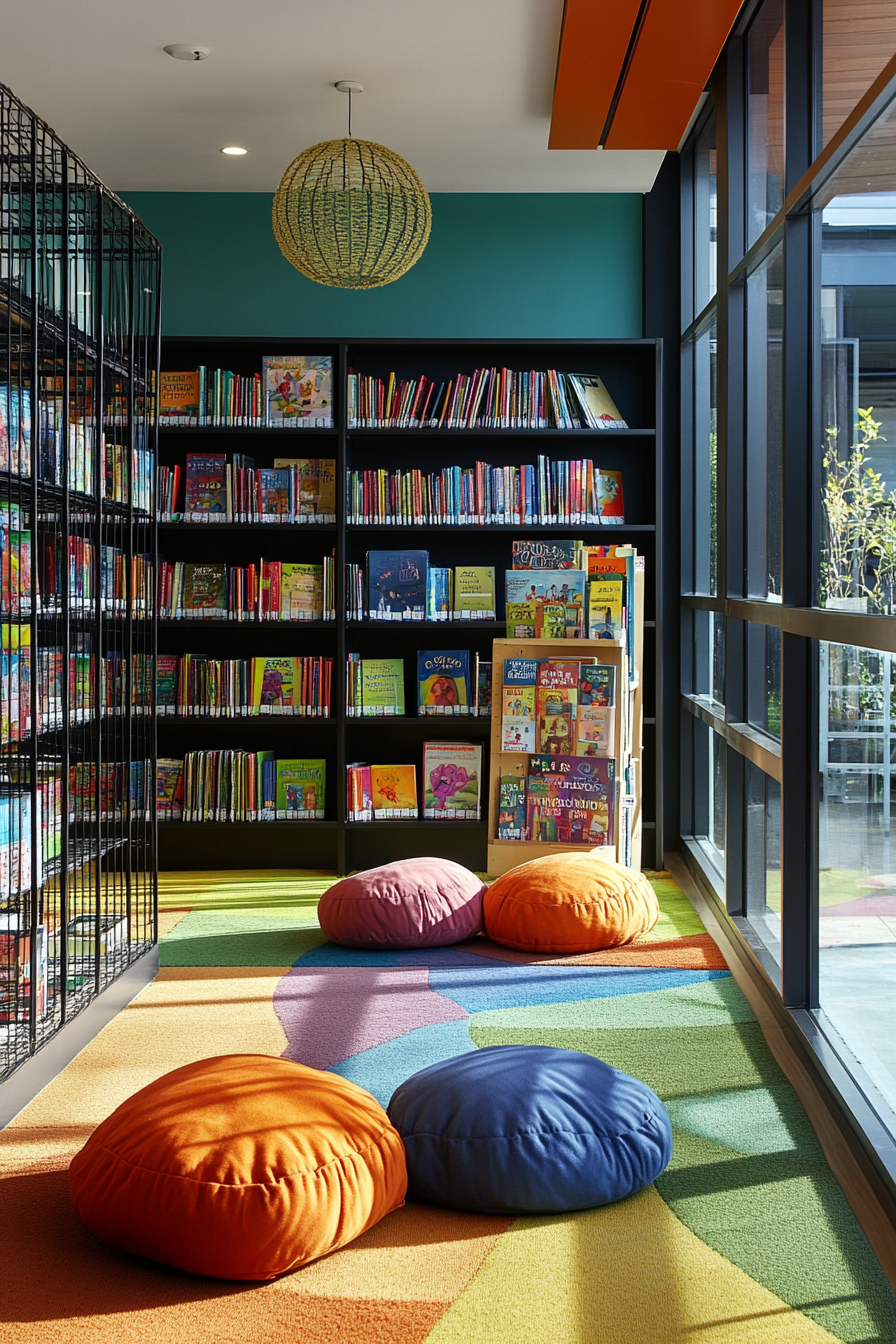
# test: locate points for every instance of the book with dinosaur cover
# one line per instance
(393, 792)
(397, 582)
(301, 787)
(452, 772)
(443, 682)
(298, 391)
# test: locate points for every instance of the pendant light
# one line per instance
(351, 213)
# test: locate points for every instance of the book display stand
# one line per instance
(79, 320)
(375, 480)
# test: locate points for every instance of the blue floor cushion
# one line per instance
(528, 1129)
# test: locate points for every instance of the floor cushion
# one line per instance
(568, 903)
(528, 1129)
(240, 1167)
(411, 903)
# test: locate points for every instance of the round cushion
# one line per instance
(241, 1167)
(568, 903)
(408, 904)
(528, 1129)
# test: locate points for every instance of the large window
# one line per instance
(788, 742)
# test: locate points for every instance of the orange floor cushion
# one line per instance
(567, 903)
(240, 1167)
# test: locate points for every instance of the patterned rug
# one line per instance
(745, 1239)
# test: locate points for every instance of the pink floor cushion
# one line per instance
(408, 904)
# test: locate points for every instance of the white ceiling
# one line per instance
(461, 88)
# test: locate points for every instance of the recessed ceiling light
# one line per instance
(234, 149)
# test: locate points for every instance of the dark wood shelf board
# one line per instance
(253, 826)
(437, 723)
(412, 823)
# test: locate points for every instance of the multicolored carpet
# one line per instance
(745, 1239)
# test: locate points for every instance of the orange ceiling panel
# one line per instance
(677, 47)
(593, 43)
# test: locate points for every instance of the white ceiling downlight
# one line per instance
(184, 51)
(236, 151)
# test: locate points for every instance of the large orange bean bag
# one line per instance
(241, 1167)
(568, 903)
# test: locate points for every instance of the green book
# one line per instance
(300, 790)
(382, 686)
(474, 593)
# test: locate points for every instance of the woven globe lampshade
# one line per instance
(351, 213)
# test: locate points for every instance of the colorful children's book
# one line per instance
(521, 618)
(439, 587)
(520, 671)
(569, 811)
(358, 797)
(166, 684)
(606, 608)
(393, 792)
(546, 554)
(179, 398)
(597, 684)
(205, 592)
(275, 490)
(553, 586)
(301, 592)
(298, 391)
(595, 730)
(314, 486)
(609, 498)
(301, 787)
(474, 593)
(169, 789)
(451, 775)
(483, 688)
(382, 687)
(273, 685)
(206, 488)
(443, 682)
(397, 582)
(512, 808)
(599, 411)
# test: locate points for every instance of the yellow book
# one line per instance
(393, 791)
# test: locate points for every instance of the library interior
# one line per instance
(479, 927)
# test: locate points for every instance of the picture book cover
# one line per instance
(301, 788)
(179, 397)
(274, 485)
(609, 497)
(563, 587)
(170, 789)
(520, 671)
(558, 674)
(396, 584)
(597, 684)
(518, 703)
(298, 391)
(484, 689)
(206, 488)
(606, 609)
(598, 408)
(205, 591)
(360, 803)
(382, 686)
(518, 734)
(301, 592)
(474, 593)
(512, 808)
(574, 767)
(443, 681)
(545, 554)
(166, 683)
(273, 685)
(569, 811)
(595, 730)
(393, 791)
(451, 775)
(316, 482)
(521, 618)
(439, 587)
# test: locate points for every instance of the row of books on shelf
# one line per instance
(213, 490)
(404, 586)
(452, 775)
(74, 567)
(484, 399)
(450, 682)
(17, 808)
(200, 687)
(82, 946)
(240, 786)
(32, 699)
(546, 494)
(109, 791)
(271, 590)
(290, 392)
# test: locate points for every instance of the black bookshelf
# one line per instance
(631, 370)
(80, 282)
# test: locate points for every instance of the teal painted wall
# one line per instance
(496, 266)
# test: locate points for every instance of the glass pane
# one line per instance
(762, 842)
(765, 331)
(858, 41)
(857, 855)
(706, 504)
(705, 216)
(858, 391)
(717, 642)
(764, 678)
(708, 815)
(765, 164)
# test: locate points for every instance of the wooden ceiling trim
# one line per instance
(593, 44)
(676, 49)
